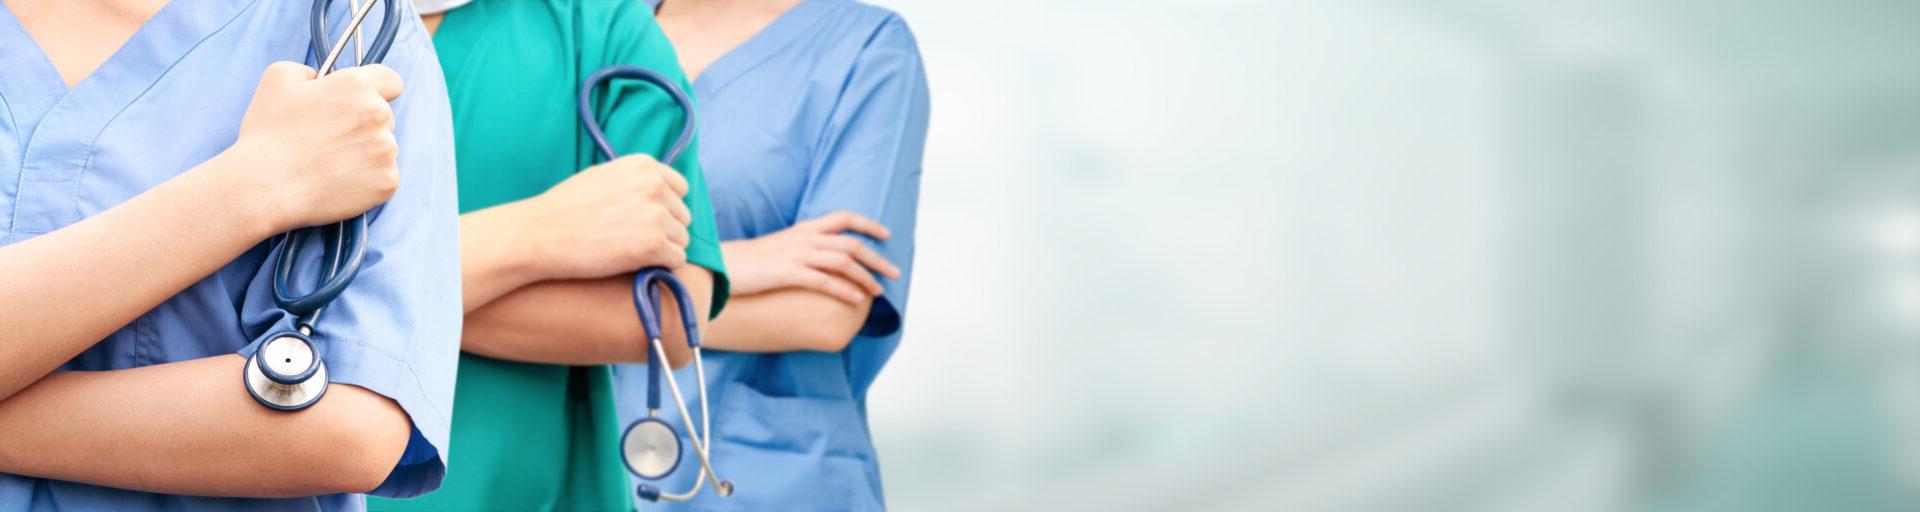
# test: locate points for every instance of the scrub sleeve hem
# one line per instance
(423, 464)
(722, 286)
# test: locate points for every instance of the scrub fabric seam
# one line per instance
(467, 60)
(886, 194)
(764, 58)
(412, 374)
(893, 149)
(13, 125)
(91, 143)
(13, 212)
(143, 337)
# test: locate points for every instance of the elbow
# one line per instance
(362, 469)
(827, 324)
(828, 335)
(367, 439)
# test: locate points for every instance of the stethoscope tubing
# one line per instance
(646, 295)
(648, 281)
(689, 123)
(345, 241)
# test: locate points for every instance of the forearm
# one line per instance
(65, 290)
(494, 257)
(190, 428)
(786, 320)
(581, 322)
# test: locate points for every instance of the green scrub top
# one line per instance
(535, 436)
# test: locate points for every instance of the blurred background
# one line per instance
(1639, 255)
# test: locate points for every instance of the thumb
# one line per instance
(286, 72)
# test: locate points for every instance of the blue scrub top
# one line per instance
(824, 110)
(168, 100)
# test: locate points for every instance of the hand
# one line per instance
(612, 218)
(815, 255)
(323, 148)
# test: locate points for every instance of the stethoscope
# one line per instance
(287, 372)
(650, 447)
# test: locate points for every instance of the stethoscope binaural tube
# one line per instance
(650, 447)
(287, 372)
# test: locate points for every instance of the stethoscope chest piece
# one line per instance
(651, 448)
(286, 373)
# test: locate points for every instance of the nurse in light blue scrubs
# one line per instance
(135, 204)
(812, 131)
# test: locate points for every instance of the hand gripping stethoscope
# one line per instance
(287, 372)
(650, 447)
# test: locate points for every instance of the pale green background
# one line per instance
(1653, 255)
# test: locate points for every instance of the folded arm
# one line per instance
(788, 320)
(581, 322)
(807, 287)
(548, 279)
(190, 428)
(65, 290)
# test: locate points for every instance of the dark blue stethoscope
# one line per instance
(651, 447)
(287, 372)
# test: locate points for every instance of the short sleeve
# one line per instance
(396, 330)
(640, 118)
(869, 157)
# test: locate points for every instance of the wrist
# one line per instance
(741, 264)
(233, 180)
(506, 243)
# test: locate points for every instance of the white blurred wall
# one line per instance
(1398, 255)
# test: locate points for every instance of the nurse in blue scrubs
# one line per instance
(813, 119)
(147, 151)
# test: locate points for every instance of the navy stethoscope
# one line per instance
(651, 447)
(287, 372)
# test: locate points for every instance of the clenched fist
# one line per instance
(324, 147)
(609, 219)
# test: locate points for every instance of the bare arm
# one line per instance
(807, 287)
(548, 279)
(189, 428)
(495, 256)
(66, 290)
(787, 320)
(582, 321)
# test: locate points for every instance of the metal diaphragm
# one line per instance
(651, 448)
(284, 397)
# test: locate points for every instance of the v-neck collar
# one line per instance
(66, 118)
(457, 36)
(763, 45)
(25, 93)
(57, 127)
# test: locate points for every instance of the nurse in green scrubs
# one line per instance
(549, 240)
